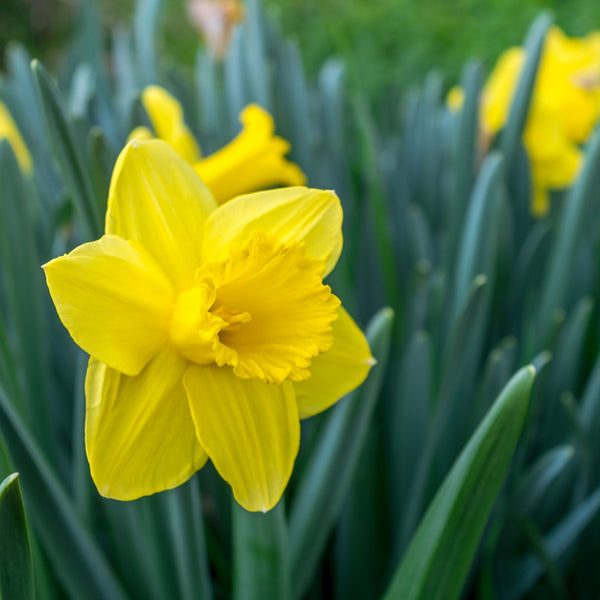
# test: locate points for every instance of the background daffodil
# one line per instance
(10, 132)
(209, 328)
(254, 160)
(564, 109)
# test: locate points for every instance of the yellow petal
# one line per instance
(9, 131)
(249, 429)
(289, 215)
(498, 92)
(114, 300)
(253, 161)
(540, 202)
(157, 199)
(141, 134)
(139, 433)
(338, 371)
(455, 98)
(166, 115)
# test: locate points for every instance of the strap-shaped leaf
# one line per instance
(68, 153)
(558, 275)
(540, 476)
(16, 572)
(145, 34)
(440, 554)
(519, 108)
(76, 558)
(479, 232)
(467, 330)
(261, 554)
(328, 475)
(532, 567)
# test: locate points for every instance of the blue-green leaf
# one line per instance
(16, 571)
(554, 545)
(69, 155)
(328, 475)
(440, 554)
(261, 554)
(76, 558)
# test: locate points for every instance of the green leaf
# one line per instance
(558, 275)
(440, 554)
(257, 68)
(570, 350)
(145, 34)
(295, 100)
(207, 88)
(408, 420)
(540, 476)
(326, 480)
(481, 222)
(261, 554)
(186, 528)
(24, 294)
(499, 367)
(465, 336)
(419, 234)
(589, 414)
(554, 545)
(5, 463)
(16, 570)
(376, 200)
(236, 95)
(465, 153)
(69, 154)
(519, 108)
(76, 558)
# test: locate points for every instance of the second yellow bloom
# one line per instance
(254, 160)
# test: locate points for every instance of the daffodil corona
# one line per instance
(209, 329)
(254, 160)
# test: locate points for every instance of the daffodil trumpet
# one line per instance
(209, 329)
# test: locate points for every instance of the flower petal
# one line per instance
(253, 161)
(338, 371)
(9, 131)
(115, 301)
(157, 200)
(295, 214)
(139, 433)
(166, 115)
(249, 429)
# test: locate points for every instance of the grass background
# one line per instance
(388, 42)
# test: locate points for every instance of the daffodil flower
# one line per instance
(10, 132)
(564, 108)
(254, 160)
(209, 329)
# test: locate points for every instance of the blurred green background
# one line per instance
(385, 42)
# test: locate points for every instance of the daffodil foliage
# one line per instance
(210, 330)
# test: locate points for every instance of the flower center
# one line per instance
(263, 310)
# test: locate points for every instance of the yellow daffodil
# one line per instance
(253, 161)
(9, 131)
(209, 329)
(564, 108)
